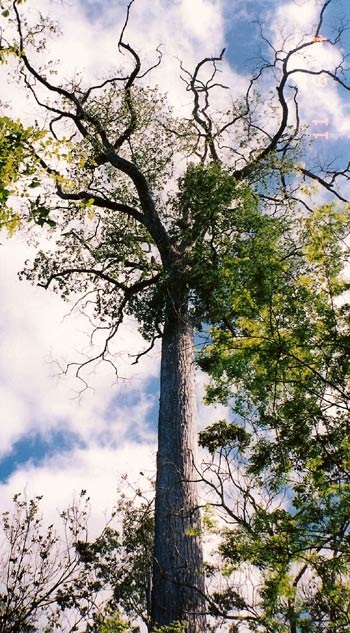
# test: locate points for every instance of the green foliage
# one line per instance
(223, 433)
(175, 627)
(112, 623)
(280, 358)
(15, 159)
(283, 338)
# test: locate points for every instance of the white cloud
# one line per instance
(115, 421)
(33, 331)
(289, 22)
(203, 19)
(98, 470)
(13, 417)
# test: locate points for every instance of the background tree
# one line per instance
(53, 577)
(44, 584)
(122, 558)
(281, 472)
(131, 241)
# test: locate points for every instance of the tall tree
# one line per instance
(131, 241)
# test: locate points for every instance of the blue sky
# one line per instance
(52, 439)
(33, 448)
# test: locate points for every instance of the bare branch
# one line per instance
(145, 352)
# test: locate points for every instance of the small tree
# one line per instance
(131, 241)
(53, 578)
(44, 584)
(122, 559)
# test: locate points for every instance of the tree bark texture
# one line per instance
(178, 578)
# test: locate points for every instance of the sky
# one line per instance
(55, 439)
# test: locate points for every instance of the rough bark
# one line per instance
(178, 582)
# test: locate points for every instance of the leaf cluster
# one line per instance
(16, 161)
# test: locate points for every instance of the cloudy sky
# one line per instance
(55, 440)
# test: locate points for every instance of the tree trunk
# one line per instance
(178, 578)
